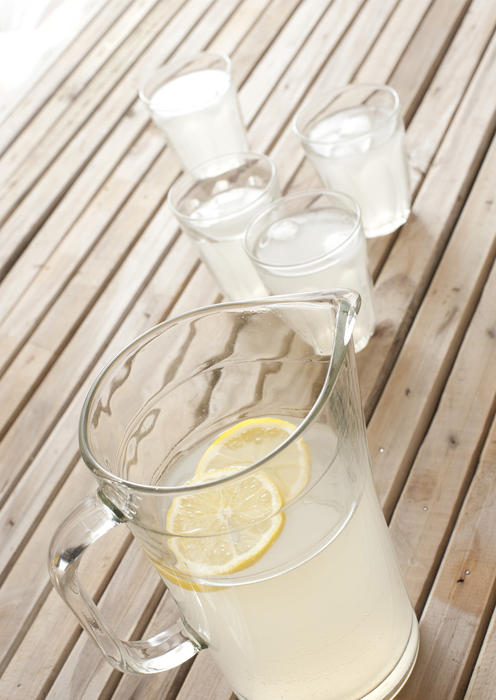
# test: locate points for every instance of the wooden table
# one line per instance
(90, 257)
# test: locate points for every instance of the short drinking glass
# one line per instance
(310, 241)
(354, 138)
(214, 204)
(194, 101)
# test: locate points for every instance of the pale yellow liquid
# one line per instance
(323, 614)
(200, 115)
(217, 226)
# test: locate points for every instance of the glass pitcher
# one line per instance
(231, 441)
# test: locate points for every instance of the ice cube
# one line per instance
(343, 134)
(355, 124)
(283, 230)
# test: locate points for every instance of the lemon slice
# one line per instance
(227, 527)
(248, 441)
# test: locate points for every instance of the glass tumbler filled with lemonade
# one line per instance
(314, 240)
(355, 139)
(236, 454)
(214, 204)
(194, 102)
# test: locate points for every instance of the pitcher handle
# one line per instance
(89, 521)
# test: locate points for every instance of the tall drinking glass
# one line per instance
(237, 456)
(314, 240)
(355, 139)
(214, 204)
(194, 101)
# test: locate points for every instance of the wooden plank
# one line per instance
(431, 42)
(433, 115)
(248, 15)
(88, 191)
(60, 173)
(342, 57)
(36, 265)
(81, 224)
(439, 477)
(407, 272)
(258, 40)
(463, 595)
(34, 268)
(439, 104)
(159, 685)
(45, 118)
(33, 100)
(333, 25)
(71, 310)
(357, 43)
(204, 682)
(482, 682)
(275, 61)
(418, 377)
(140, 201)
(392, 45)
(31, 525)
(36, 252)
(85, 237)
(87, 185)
(85, 346)
(89, 278)
(132, 593)
(27, 587)
(12, 282)
(23, 657)
(69, 109)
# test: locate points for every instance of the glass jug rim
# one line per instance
(348, 304)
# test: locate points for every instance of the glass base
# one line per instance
(388, 228)
(391, 686)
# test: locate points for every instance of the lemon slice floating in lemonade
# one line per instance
(247, 442)
(227, 527)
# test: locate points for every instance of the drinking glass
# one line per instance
(314, 240)
(214, 204)
(355, 139)
(194, 101)
(279, 559)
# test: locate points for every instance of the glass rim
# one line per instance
(166, 72)
(305, 194)
(194, 176)
(349, 303)
(318, 103)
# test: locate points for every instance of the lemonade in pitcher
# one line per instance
(314, 606)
